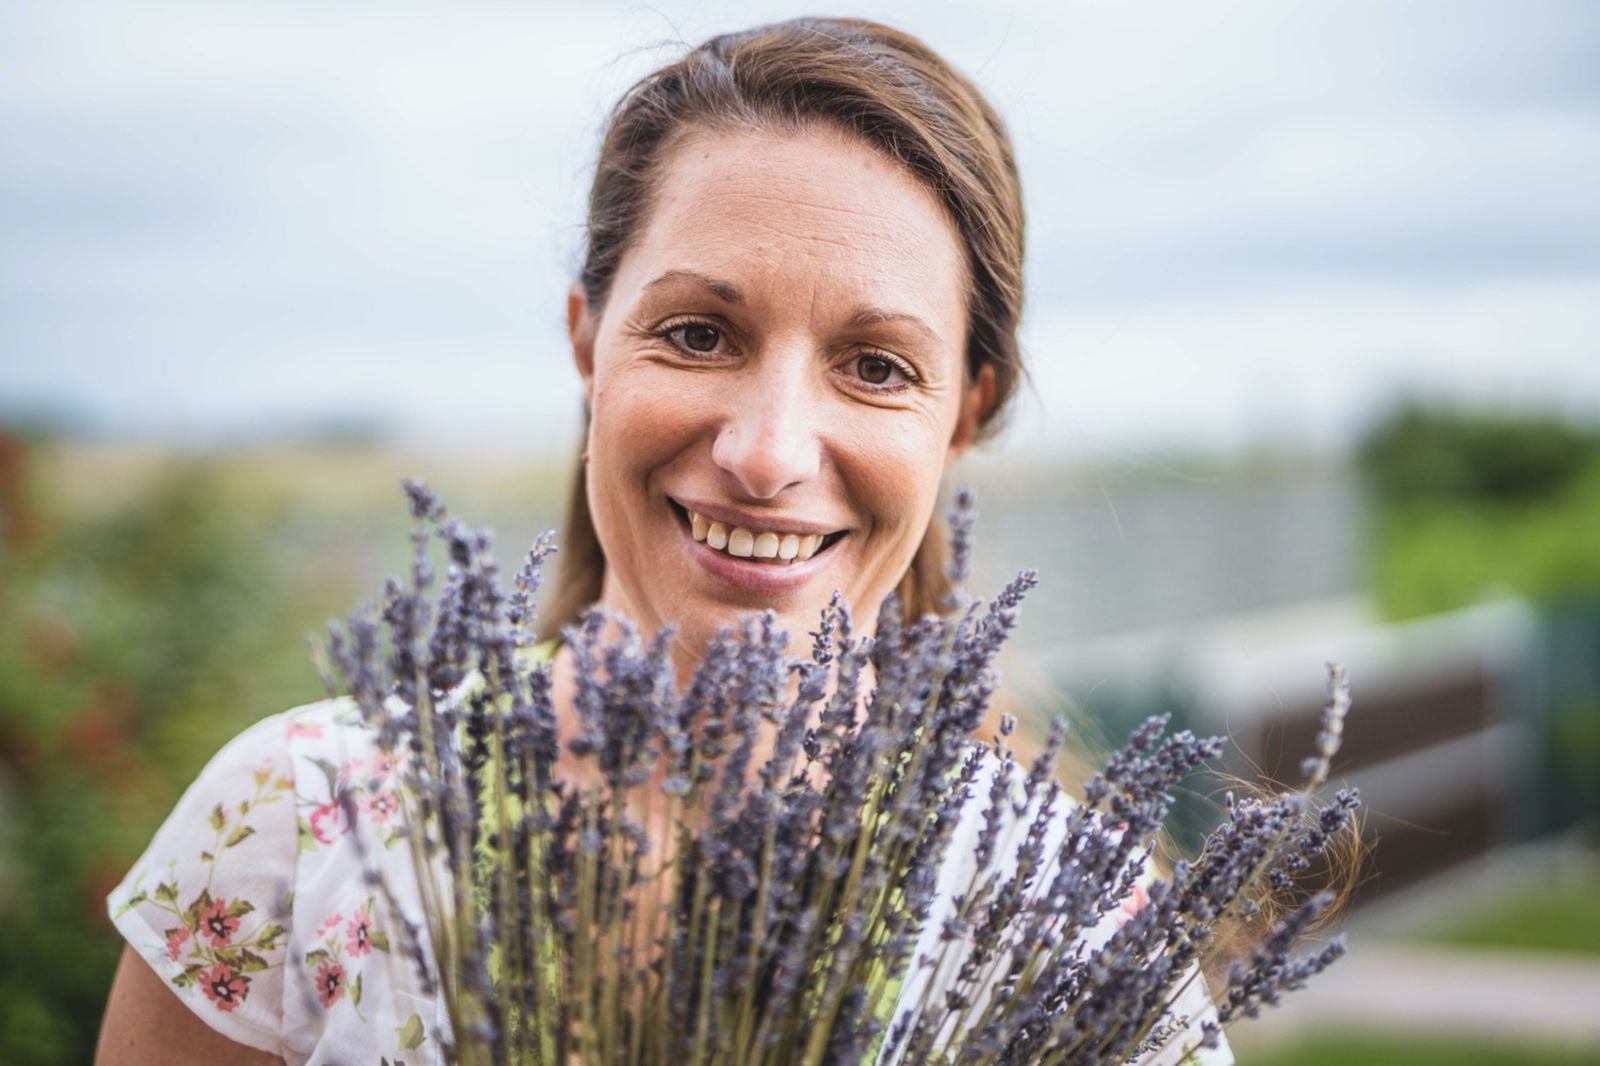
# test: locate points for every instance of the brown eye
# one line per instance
(699, 337)
(874, 371)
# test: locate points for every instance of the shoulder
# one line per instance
(250, 902)
(208, 904)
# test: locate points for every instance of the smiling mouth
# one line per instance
(772, 546)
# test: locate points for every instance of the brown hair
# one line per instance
(878, 84)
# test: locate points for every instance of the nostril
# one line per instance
(765, 456)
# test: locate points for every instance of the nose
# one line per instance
(768, 439)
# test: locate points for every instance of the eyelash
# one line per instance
(909, 376)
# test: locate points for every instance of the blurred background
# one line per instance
(1314, 328)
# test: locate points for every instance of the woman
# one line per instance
(798, 305)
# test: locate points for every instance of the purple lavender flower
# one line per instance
(806, 860)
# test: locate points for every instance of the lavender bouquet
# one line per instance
(798, 861)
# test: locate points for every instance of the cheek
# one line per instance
(634, 433)
(894, 471)
(638, 424)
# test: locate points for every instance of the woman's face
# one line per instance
(775, 384)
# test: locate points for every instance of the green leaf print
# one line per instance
(250, 962)
(267, 937)
(201, 904)
(219, 817)
(133, 901)
(410, 1034)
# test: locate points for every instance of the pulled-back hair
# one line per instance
(870, 81)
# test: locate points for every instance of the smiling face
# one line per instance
(776, 384)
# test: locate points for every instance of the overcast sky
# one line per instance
(1247, 220)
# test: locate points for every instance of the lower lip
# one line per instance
(766, 579)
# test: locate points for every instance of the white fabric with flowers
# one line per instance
(251, 902)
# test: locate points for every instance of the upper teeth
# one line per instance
(749, 544)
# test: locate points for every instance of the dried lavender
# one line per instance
(795, 861)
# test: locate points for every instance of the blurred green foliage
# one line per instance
(1422, 453)
(1562, 916)
(1468, 504)
(152, 605)
(1377, 1049)
(1571, 751)
(133, 643)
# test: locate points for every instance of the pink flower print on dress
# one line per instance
(222, 986)
(380, 806)
(383, 764)
(309, 730)
(329, 821)
(329, 983)
(358, 934)
(218, 924)
(331, 923)
(175, 939)
(1130, 905)
(346, 770)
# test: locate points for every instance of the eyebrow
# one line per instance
(726, 291)
(872, 316)
(729, 293)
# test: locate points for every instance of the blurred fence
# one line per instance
(1154, 546)
(1468, 730)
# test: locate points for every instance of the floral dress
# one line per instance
(252, 904)
(251, 901)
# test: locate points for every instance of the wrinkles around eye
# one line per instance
(676, 334)
(901, 374)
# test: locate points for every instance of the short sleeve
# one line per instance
(208, 904)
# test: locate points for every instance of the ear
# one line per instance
(580, 334)
(976, 399)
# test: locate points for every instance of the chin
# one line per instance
(694, 630)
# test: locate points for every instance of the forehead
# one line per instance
(812, 208)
